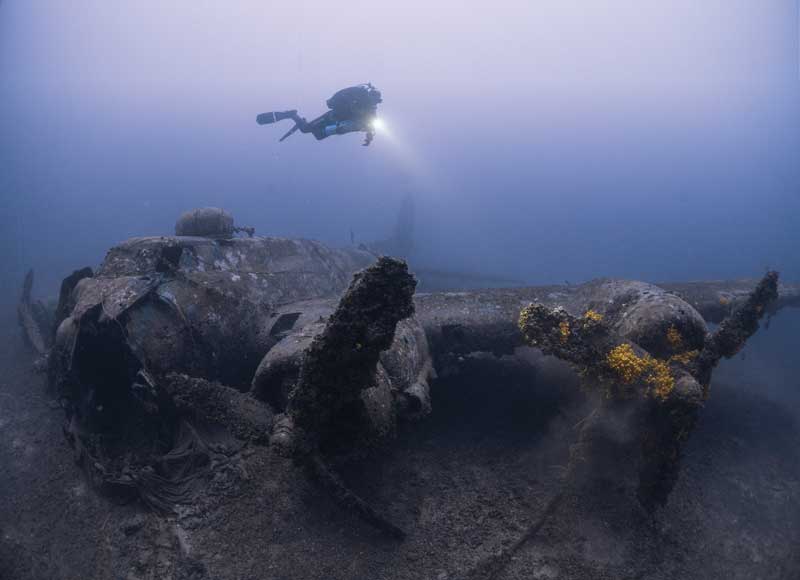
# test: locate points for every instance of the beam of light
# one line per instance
(428, 181)
(400, 149)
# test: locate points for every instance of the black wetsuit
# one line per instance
(333, 123)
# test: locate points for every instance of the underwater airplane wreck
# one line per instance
(179, 352)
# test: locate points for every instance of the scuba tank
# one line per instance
(357, 99)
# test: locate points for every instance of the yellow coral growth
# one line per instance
(629, 367)
(593, 315)
(564, 330)
(674, 338)
(524, 319)
(684, 358)
(660, 378)
(524, 316)
(625, 363)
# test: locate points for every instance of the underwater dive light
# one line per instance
(378, 124)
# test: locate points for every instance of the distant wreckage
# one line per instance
(181, 349)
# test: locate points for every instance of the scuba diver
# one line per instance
(351, 109)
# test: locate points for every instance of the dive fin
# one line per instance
(290, 132)
(265, 118)
(275, 116)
